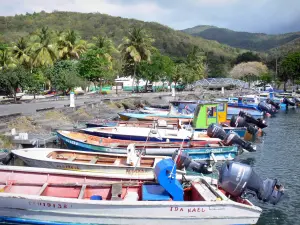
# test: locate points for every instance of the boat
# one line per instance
(248, 104)
(104, 163)
(147, 134)
(48, 196)
(198, 150)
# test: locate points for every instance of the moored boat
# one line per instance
(197, 150)
(104, 163)
(55, 197)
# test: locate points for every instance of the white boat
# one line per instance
(44, 196)
(149, 134)
(129, 165)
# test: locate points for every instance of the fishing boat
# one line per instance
(212, 149)
(129, 164)
(247, 104)
(45, 196)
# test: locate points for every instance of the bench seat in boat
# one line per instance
(154, 192)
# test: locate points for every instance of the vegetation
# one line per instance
(244, 40)
(290, 68)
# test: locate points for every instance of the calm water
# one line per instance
(278, 156)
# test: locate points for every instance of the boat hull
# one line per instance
(233, 111)
(201, 153)
(50, 210)
(241, 131)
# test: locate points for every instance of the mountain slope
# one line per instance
(169, 41)
(245, 40)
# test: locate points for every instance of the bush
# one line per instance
(104, 93)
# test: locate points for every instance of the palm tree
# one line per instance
(105, 43)
(44, 50)
(21, 52)
(136, 47)
(6, 60)
(70, 46)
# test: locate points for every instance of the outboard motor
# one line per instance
(183, 160)
(233, 138)
(238, 179)
(216, 131)
(238, 121)
(288, 101)
(249, 119)
(296, 100)
(276, 105)
(265, 107)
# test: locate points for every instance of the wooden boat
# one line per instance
(197, 150)
(45, 196)
(103, 163)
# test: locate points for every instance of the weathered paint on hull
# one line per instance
(240, 131)
(37, 211)
(221, 153)
(233, 111)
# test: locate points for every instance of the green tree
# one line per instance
(181, 73)
(195, 61)
(21, 52)
(103, 42)
(44, 49)
(94, 66)
(265, 78)
(64, 75)
(135, 48)
(35, 82)
(6, 59)
(247, 57)
(14, 78)
(70, 46)
(290, 68)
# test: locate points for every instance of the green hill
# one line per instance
(245, 40)
(169, 41)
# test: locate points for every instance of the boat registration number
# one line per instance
(49, 205)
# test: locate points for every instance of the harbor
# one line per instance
(80, 151)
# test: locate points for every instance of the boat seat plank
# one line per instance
(205, 192)
(94, 160)
(45, 185)
(81, 194)
(117, 162)
(116, 191)
(72, 158)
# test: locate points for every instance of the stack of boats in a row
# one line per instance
(131, 172)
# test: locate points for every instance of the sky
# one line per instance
(261, 16)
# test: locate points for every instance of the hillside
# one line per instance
(245, 40)
(169, 41)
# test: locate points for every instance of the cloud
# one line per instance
(254, 16)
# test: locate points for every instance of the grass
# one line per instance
(56, 115)
(5, 142)
(22, 124)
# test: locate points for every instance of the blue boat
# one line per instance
(220, 152)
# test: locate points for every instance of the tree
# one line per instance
(290, 68)
(135, 48)
(95, 66)
(6, 59)
(249, 71)
(21, 52)
(265, 78)
(247, 57)
(70, 46)
(35, 82)
(14, 78)
(102, 42)
(195, 61)
(64, 75)
(44, 49)
(181, 73)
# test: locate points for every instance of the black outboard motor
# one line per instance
(238, 121)
(265, 107)
(233, 138)
(216, 131)
(249, 119)
(237, 178)
(288, 101)
(276, 105)
(296, 100)
(184, 161)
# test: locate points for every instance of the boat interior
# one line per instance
(109, 142)
(98, 159)
(92, 188)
